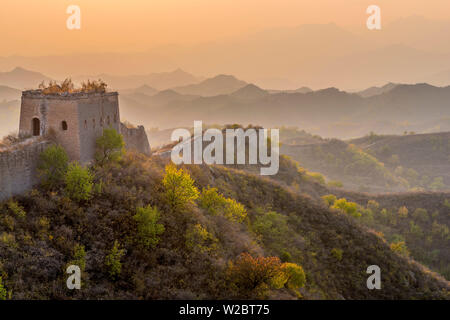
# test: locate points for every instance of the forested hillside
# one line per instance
(140, 228)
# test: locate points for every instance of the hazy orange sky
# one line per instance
(38, 27)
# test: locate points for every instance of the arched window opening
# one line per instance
(36, 127)
(93, 123)
(85, 124)
(108, 120)
(64, 125)
(101, 122)
(115, 118)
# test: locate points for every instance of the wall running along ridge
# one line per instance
(18, 169)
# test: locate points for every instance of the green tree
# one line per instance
(254, 276)
(79, 257)
(400, 248)
(212, 201)
(403, 212)
(295, 276)
(79, 183)
(148, 228)
(52, 166)
(316, 176)
(234, 211)
(198, 238)
(217, 204)
(329, 199)
(335, 184)
(3, 292)
(350, 208)
(16, 209)
(179, 188)
(337, 253)
(112, 260)
(110, 147)
(272, 226)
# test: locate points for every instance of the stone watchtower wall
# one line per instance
(135, 139)
(74, 119)
(18, 168)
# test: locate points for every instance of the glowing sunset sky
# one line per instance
(38, 27)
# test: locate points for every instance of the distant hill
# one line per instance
(22, 79)
(250, 92)
(423, 159)
(342, 162)
(221, 84)
(328, 112)
(374, 91)
(7, 93)
(299, 90)
(145, 89)
(158, 81)
(9, 117)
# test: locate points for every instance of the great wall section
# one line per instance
(18, 168)
(75, 121)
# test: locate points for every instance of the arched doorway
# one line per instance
(36, 127)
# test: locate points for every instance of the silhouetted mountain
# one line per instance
(221, 84)
(145, 89)
(9, 117)
(7, 93)
(22, 79)
(374, 91)
(250, 92)
(328, 112)
(159, 81)
(299, 90)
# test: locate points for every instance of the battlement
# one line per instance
(38, 94)
(74, 120)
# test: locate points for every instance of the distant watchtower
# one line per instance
(76, 119)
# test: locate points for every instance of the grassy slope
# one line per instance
(33, 253)
(430, 246)
(427, 154)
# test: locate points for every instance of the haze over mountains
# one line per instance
(316, 55)
(169, 99)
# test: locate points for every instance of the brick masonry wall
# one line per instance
(135, 139)
(18, 169)
(86, 115)
(95, 114)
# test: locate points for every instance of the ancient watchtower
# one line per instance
(75, 119)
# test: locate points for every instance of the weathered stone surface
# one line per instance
(75, 121)
(135, 139)
(85, 116)
(18, 169)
